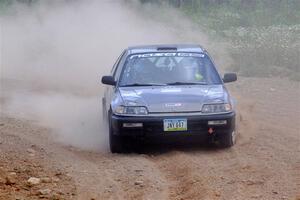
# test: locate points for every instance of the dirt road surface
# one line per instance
(264, 164)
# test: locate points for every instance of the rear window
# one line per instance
(166, 68)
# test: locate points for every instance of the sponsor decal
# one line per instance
(147, 55)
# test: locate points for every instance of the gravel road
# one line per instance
(264, 164)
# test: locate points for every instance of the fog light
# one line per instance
(217, 122)
(132, 125)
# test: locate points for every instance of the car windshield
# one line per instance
(168, 69)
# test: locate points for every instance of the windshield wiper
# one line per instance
(187, 83)
(143, 84)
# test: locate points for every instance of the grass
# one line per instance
(264, 39)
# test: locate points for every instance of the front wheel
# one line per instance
(228, 139)
(116, 142)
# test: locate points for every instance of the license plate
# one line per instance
(175, 124)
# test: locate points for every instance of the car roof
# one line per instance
(166, 48)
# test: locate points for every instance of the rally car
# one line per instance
(157, 91)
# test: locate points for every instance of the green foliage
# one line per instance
(264, 35)
(246, 13)
(5, 4)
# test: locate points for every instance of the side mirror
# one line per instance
(108, 80)
(229, 77)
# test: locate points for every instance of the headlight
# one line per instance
(131, 110)
(216, 108)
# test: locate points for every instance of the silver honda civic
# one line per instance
(162, 91)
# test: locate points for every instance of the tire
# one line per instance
(227, 140)
(116, 143)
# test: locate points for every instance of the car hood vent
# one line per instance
(166, 49)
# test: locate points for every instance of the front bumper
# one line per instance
(153, 126)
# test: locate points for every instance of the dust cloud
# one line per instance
(54, 53)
